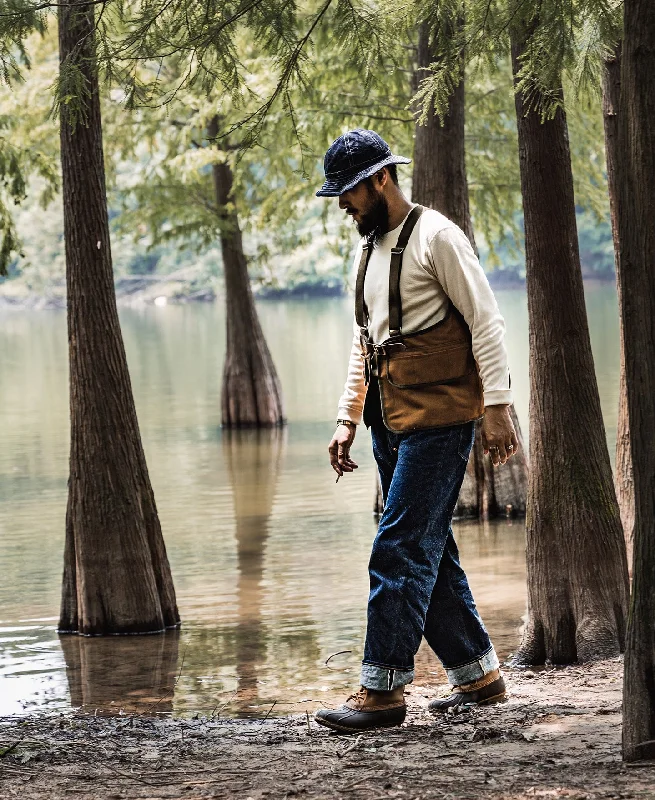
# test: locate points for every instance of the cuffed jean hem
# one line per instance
(466, 673)
(384, 679)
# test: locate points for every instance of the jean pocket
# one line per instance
(466, 439)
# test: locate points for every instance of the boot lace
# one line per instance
(359, 696)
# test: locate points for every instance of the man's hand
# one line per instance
(498, 434)
(339, 449)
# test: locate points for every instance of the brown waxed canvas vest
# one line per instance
(427, 379)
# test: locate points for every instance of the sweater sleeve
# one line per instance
(455, 265)
(351, 404)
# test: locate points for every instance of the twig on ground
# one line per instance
(351, 748)
(225, 705)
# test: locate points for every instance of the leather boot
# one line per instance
(365, 710)
(490, 688)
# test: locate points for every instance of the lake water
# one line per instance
(268, 555)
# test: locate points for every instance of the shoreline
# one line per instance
(141, 291)
(557, 736)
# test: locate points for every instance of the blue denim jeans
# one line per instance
(418, 587)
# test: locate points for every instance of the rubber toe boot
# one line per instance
(366, 710)
(488, 689)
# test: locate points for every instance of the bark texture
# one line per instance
(636, 211)
(439, 176)
(439, 181)
(252, 395)
(116, 573)
(623, 471)
(576, 561)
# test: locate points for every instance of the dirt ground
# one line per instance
(557, 736)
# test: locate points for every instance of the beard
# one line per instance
(375, 222)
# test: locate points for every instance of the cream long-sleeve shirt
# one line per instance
(438, 263)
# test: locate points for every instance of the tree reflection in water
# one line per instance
(253, 458)
(129, 674)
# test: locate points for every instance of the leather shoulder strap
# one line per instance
(361, 313)
(395, 303)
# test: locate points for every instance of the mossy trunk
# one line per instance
(251, 394)
(116, 574)
(439, 181)
(636, 206)
(576, 561)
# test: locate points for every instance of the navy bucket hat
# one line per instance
(352, 157)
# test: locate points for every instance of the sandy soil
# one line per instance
(558, 735)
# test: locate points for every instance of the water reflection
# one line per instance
(253, 460)
(269, 555)
(122, 674)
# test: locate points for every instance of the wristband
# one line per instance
(347, 422)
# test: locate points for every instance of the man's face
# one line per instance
(367, 205)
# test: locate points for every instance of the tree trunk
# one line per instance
(439, 181)
(636, 179)
(439, 176)
(252, 395)
(116, 573)
(623, 471)
(576, 561)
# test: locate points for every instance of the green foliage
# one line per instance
(563, 38)
(27, 150)
(18, 19)
(284, 80)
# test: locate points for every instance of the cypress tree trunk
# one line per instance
(623, 471)
(439, 176)
(116, 574)
(576, 561)
(636, 179)
(252, 395)
(439, 181)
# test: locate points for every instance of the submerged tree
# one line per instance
(636, 178)
(190, 192)
(576, 562)
(251, 395)
(117, 577)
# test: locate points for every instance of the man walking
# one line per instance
(428, 360)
